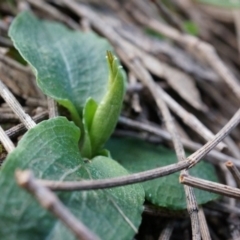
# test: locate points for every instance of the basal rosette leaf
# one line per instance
(51, 151)
(136, 156)
(69, 66)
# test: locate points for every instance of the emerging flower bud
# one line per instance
(100, 120)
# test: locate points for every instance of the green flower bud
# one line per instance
(100, 120)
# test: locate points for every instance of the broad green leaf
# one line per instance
(223, 3)
(50, 150)
(70, 66)
(136, 156)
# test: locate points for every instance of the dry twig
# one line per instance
(52, 108)
(171, 18)
(210, 186)
(16, 107)
(54, 13)
(20, 128)
(203, 224)
(167, 231)
(50, 201)
(193, 146)
(233, 122)
(198, 47)
(6, 141)
(236, 174)
(117, 181)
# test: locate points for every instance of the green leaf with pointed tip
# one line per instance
(88, 115)
(136, 156)
(69, 66)
(99, 120)
(107, 113)
(50, 150)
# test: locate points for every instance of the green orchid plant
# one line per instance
(69, 67)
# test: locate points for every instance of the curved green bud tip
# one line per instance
(110, 57)
(112, 66)
(106, 114)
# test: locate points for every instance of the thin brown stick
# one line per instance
(210, 186)
(155, 47)
(229, 180)
(54, 13)
(85, 24)
(164, 212)
(203, 224)
(8, 117)
(15, 106)
(235, 173)
(234, 223)
(232, 147)
(167, 231)
(36, 102)
(236, 16)
(135, 97)
(52, 108)
(192, 208)
(233, 122)
(5, 42)
(50, 201)
(223, 208)
(193, 146)
(198, 47)
(233, 216)
(12, 73)
(20, 128)
(148, 81)
(6, 141)
(170, 17)
(117, 181)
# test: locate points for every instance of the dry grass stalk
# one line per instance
(203, 225)
(52, 108)
(198, 47)
(20, 128)
(16, 107)
(6, 141)
(233, 122)
(233, 169)
(210, 186)
(167, 231)
(50, 201)
(115, 182)
(215, 156)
